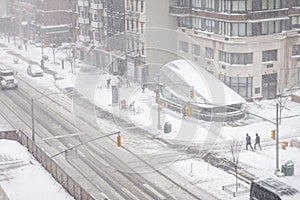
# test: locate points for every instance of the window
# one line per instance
(209, 53)
(295, 22)
(295, 77)
(196, 22)
(210, 4)
(142, 6)
(238, 29)
(184, 46)
(236, 58)
(257, 90)
(296, 50)
(196, 49)
(184, 22)
(241, 85)
(224, 6)
(197, 3)
(270, 55)
(210, 25)
(270, 27)
(238, 6)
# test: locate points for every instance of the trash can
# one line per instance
(167, 127)
(288, 168)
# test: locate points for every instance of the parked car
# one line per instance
(34, 70)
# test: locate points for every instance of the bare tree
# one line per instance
(235, 149)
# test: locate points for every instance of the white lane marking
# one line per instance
(160, 196)
(104, 196)
(129, 193)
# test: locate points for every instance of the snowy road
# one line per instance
(97, 160)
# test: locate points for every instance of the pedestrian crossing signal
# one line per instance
(273, 134)
(119, 140)
(284, 145)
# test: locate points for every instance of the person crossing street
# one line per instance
(257, 141)
(248, 142)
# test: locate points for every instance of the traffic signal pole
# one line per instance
(277, 140)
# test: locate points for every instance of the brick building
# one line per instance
(49, 21)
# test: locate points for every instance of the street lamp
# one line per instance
(158, 102)
(32, 110)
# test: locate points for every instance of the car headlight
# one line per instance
(3, 82)
(15, 81)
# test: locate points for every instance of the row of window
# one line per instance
(242, 85)
(135, 5)
(234, 58)
(135, 25)
(233, 28)
(237, 6)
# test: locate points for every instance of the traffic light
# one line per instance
(284, 145)
(188, 111)
(273, 134)
(192, 92)
(119, 140)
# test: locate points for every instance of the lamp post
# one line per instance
(158, 102)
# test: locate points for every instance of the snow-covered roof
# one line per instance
(287, 188)
(208, 86)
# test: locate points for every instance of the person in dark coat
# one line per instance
(108, 82)
(143, 87)
(248, 142)
(257, 141)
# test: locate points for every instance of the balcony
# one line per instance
(82, 20)
(83, 3)
(97, 24)
(179, 11)
(84, 38)
(97, 6)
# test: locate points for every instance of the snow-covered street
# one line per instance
(195, 170)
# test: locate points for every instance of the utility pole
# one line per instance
(158, 103)
(32, 120)
(277, 139)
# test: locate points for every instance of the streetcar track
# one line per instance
(138, 157)
(93, 147)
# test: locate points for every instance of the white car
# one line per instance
(34, 70)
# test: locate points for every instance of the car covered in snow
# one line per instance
(34, 70)
(7, 79)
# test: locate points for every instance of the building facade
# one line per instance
(114, 30)
(5, 18)
(253, 46)
(47, 21)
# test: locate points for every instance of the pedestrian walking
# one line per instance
(143, 87)
(248, 142)
(127, 83)
(108, 82)
(257, 141)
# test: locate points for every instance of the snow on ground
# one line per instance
(260, 163)
(22, 177)
(207, 177)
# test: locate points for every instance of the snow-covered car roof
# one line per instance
(35, 68)
(207, 85)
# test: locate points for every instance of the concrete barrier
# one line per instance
(72, 187)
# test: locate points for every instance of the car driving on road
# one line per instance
(7, 79)
(34, 70)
